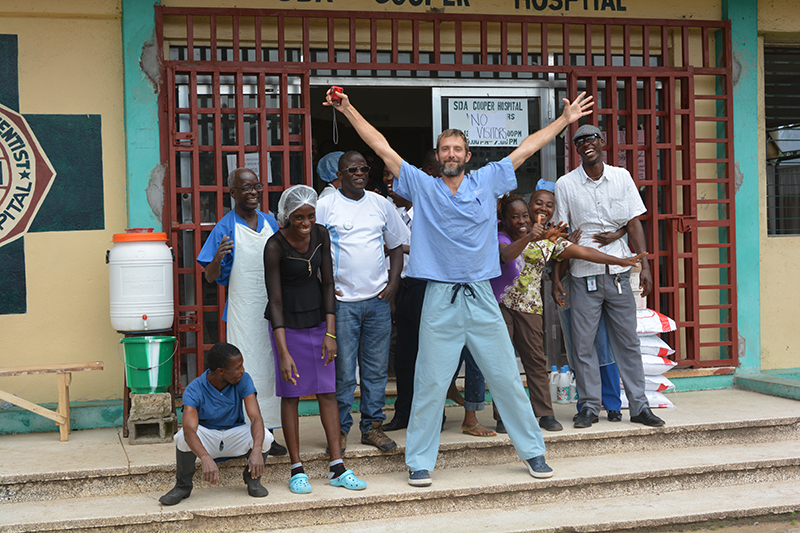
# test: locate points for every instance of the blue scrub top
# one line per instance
(454, 236)
(218, 409)
(227, 226)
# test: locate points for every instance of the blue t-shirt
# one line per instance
(218, 409)
(454, 236)
(227, 226)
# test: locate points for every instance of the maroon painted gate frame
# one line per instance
(236, 81)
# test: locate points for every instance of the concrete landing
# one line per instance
(35, 456)
(723, 454)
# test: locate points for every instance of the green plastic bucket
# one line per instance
(146, 363)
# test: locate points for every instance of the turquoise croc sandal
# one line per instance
(299, 484)
(349, 481)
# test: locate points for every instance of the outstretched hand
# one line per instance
(556, 232)
(580, 107)
(633, 261)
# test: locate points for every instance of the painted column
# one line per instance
(743, 15)
(143, 155)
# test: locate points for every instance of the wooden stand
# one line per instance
(61, 415)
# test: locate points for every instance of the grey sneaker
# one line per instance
(376, 437)
(538, 467)
(419, 478)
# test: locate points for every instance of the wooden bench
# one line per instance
(64, 371)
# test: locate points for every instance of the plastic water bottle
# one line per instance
(562, 392)
(573, 388)
(553, 384)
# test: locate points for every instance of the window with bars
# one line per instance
(782, 110)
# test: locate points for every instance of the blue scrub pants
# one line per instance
(454, 316)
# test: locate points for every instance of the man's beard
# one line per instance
(452, 172)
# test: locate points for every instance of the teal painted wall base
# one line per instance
(108, 414)
(83, 415)
(784, 383)
(703, 383)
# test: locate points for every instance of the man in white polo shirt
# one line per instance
(598, 198)
(361, 223)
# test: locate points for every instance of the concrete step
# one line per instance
(683, 476)
(629, 512)
(101, 463)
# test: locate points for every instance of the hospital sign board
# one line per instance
(490, 121)
(25, 175)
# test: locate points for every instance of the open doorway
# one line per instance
(402, 115)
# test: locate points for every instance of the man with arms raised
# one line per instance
(454, 246)
(214, 426)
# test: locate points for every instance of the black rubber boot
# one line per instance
(184, 474)
(254, 486)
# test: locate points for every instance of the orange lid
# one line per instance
(139, 235)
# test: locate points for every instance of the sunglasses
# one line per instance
(352, 170)
(587, 139)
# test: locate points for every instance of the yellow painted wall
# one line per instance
(778, 23)
(677, 9)
(70, 62)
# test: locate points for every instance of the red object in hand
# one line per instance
(336, 100)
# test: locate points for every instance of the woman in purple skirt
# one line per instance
(302, 311)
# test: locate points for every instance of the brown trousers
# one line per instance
(525, 330)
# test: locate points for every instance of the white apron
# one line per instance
(248, 330)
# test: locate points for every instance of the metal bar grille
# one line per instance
(655, 110)
(659, 110)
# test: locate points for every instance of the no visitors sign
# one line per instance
(490, 121)
(25, 175)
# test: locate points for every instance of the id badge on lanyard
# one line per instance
(591, 283)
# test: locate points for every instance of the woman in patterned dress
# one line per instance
(525, 248)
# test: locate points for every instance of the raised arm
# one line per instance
(368, 133)
(580, 107)
(509, 252)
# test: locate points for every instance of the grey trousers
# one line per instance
(620, 315)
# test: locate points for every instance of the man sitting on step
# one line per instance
(214, 428)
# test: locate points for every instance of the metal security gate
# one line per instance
(662, 125)
(237, 83)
